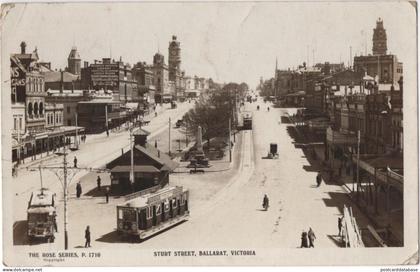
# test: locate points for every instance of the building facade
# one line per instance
(74, 62)
(161, 77)
(385, 67)
(111, 75)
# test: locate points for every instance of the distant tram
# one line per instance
(148, 214)
(247, 120)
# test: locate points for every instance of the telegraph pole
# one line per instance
(106, 117)
(230, 145)
(358, 159)
(76, 140)
(131, 158)
(169, 136)
(65, 198)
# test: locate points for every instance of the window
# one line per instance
(20, 123)
(14, 123)
(30, 109)
(36, 108)
(41, 108)
(149, 212)
(158, 209)
(120, 214)
(167, 206)
(68, 109)
(174, 203)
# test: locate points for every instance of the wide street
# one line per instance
(225, 207)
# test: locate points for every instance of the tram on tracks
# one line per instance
(247, 120)
(146, 215)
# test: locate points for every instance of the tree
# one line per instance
(211, 114)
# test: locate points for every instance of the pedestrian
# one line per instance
(304, 239)
(78, 189)
(98, 182)
(75, 162)
(312, 237)
(87, 237)
(318, 179)
(55, 221)
(340, 225)
(107, 195)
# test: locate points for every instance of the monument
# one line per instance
(199, 159)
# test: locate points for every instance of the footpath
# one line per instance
(390, 226)
(47, 156)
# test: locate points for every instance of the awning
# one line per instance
(137, 169)
(336, 137)
(132, 106)
(382, 168)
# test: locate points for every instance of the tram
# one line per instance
(247, 120)
(41, 215)
(148, 214)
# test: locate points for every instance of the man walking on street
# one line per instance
(98, 182)
(312, 237)
(318, 179)
(75, 162)
(55, 221)
(304, 239)
(78, 189)
(340, 225)
(107, 195)
(87, 237)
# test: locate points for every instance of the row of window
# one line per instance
(50, 118)
(35, 108)
(17, 123)
(173, 201)
(35, 85)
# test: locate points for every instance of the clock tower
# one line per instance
(379, 39)
(174, 61)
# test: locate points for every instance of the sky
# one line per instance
(227, 41)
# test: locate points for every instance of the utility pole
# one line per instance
(358, 159)
(40, 176)
(230, 145)
(169, 123)
(106, 117)
(66, 241)
(131, 158)
(76, 140)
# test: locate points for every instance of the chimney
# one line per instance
(86, 64)
(158, 153)
(23, 47)
(61, 81)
